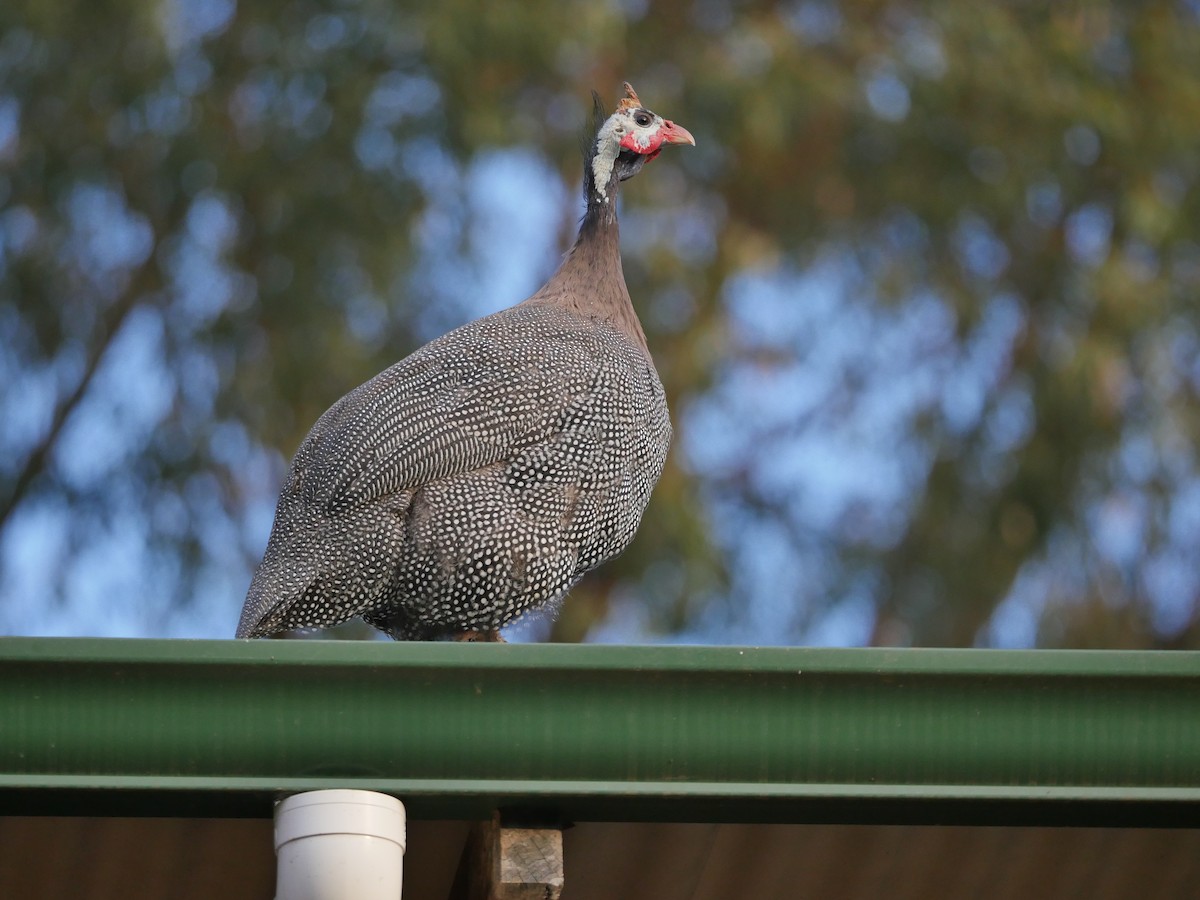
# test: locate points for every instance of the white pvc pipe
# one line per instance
(339, 845)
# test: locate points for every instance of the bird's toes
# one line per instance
(479, 637)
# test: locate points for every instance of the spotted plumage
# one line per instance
(484, 474)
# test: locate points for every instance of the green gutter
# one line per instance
(105, 727)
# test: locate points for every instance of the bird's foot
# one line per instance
(479, 637)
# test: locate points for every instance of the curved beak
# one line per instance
(676, 134)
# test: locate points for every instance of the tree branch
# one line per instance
(35, 463)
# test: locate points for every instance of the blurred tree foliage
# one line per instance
(924, 296)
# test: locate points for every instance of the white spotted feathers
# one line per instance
(480, 477)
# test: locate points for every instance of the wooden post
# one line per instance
(502, 863)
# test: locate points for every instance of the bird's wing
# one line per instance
(471, 398)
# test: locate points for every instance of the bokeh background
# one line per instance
(924, 297)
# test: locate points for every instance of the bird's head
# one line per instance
(630, 138)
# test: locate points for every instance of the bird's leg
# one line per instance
(480, 637)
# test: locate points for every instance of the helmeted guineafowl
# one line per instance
(481, 476)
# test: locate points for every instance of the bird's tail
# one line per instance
(281, 580)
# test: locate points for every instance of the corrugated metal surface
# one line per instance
(871, 862)
(177, 859)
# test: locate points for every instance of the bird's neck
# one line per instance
(600, 185)
(590, 282)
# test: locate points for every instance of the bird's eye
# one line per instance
(642, 118)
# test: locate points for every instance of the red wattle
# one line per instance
(650, 148)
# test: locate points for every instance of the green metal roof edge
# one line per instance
(667, 733)
(664, 657)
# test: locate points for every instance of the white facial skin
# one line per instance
(635, 129)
